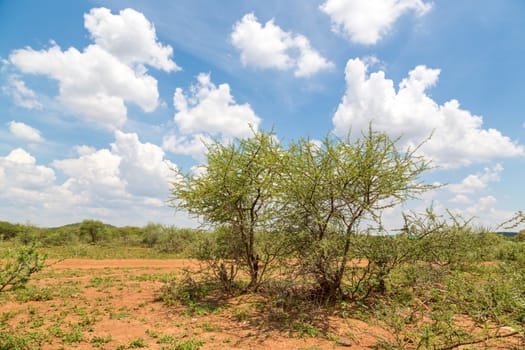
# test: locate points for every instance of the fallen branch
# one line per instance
(497, 336)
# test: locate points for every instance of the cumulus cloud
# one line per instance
(268, 46)
(205, 113)
(24, 131)
(143, 167)
(21, 94)
(458, 137)
(129, 169)
(367, 21)
(211, 109)
(476, 182)
(19, 170)
(130, 37)
(193, 145)
(460, 198)
(30, 188)
(483, 211)
(93, 83)
(95, 174)
(97, 82)
(126, 183)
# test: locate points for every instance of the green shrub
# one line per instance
(180, 241)
(19, 265)
(93, 231)
(151, 234)
(60, 236)
(520, 237)
(9, 231)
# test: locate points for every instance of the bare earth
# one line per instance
(109, 304)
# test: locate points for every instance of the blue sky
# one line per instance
(99, 99)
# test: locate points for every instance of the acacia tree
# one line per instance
(94, 229)
(236, 190)
(328, 190)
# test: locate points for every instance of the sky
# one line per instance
(101, 100)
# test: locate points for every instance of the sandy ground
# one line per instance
(110, 304)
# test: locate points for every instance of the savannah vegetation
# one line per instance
(292, 242)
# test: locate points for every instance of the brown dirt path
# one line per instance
(174, 264)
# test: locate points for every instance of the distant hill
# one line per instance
(508, 234)
(75, 225)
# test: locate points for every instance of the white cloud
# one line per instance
(458, 138)
(143, 167)
(129, 169)
(194, 146)
(97, 82)
(484, 204)
(367, 21)
(460, 198)
(268, 46)
(19, 170)
(213, 110)
(83, 150)
(24, 131)
(96, 174)
(92, 83)
(21, 94)
(484, 212)
(476, 182)
(130, 37)
(126, 184)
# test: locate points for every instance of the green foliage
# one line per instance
(306, 202)
(65, 235)
(236, 191)
(128, 235)
(151, 234)
(187, 291)
(32, 293)
(190, 344)
(100, 341)
(180, 241)
(448, 241)
(192, 293)
(9, 231)
(137, 343)
(93, 230)
(520, 237)
(29, 234)
(79, 240)
(10, 339)
(329, 190)
(305, 328)
(219, 250)
(172, 240)
(377, 257)
(512, 252)
(18, 266)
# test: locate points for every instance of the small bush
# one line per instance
(179, 241)
(8, 231)
(190, 344)
(20, 264)
(60, 237)
(188, 291)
